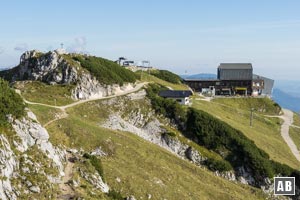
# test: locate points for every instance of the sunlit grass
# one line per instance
(36, 91)
(150, 78)
(265, 131)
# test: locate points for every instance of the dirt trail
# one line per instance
(64, 114)
(67, 191)
(63, 108)
(295, 126)
(136, 88)
(288, 121)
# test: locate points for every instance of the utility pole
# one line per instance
(251, 117)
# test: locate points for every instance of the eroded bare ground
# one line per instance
(67, 192)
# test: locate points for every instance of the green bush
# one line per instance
(10, 102)
(167, 76)
(171, 134)
(218, 165)
(215, 134)
(106, 71)
(114, 195)
(96, 163)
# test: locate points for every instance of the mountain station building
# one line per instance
(233, 79)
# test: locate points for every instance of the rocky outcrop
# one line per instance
(32, 133)
(151, 130)
(50, 67)
(53, 68)
(22, 165)
(95, 180)
(88, 87)
(8, 165)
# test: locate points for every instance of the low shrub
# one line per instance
(106, 71)
(167, 76)
(96, 162)
(218, 165)
(114, 195)
(11, 102)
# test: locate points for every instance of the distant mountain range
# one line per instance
(287, 94)
(199, 76)
(286, 100)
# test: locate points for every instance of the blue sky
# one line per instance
(192, 36)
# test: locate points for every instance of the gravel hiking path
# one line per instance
(288, 121)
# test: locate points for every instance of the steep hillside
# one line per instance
(265, 131)
(229, 142)
(30, 165)
(129, 161)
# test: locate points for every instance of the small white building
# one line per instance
(181, 96)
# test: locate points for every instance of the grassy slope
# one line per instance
(295, 132)
(150, 78)
(296, 119)
(40, 92)
(139, 163)
(263, 105)
(265, 131)
(295, 135)
(134, 160)
(45, 114)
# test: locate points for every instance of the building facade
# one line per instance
(233, 79)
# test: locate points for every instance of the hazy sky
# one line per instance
(193, 36)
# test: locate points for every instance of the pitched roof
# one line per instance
(175, 93)
(235, 66)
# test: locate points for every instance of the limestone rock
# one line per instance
(95, 180)
(131, 197)
(53, 69)
(8, 164)
(35, 189)
(32, 133)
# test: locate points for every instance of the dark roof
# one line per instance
(175, 93)
(235, 66)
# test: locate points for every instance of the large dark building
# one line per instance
(235, 71)
(232, 79)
